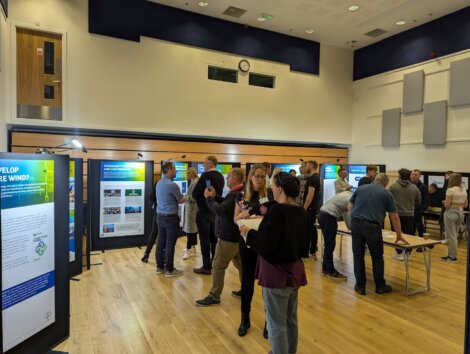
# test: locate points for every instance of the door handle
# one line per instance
(56, 81)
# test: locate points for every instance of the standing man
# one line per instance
(312, 199)
(371, 172)
(205, 217)
(368, 206)
(269, 173)
(168, 198)
(407, 199)
(328, 216)
(419, 211)
(227, 248)
(341, 184)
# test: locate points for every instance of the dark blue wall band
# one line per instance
(4, 4)
(446, 35)
(130, 19)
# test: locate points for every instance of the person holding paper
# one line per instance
(252, 202)
(282, 241)
(227, 249)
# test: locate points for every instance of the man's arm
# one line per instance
(309, 197)
(397, 227)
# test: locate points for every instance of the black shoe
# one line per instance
(361, 291)
(145, 258)
(449, 259)
(207, 301)
(244, 324)
(202, 271)
(237, 293)
(265, 330)
(384, 289)
(419, 249)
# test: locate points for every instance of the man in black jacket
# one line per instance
(423, 189)
(228, 233)
(205, 217)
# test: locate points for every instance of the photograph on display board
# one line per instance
(122, 191)
(28, 268)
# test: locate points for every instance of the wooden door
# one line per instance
(38, 74)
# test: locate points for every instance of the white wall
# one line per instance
(156, 86)
(3, 87)
(374, 94)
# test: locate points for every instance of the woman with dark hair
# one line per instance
(281, 241)
(252, 202)
(456, 200)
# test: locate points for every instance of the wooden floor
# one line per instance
(122, 306)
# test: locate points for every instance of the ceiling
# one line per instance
(331, 20)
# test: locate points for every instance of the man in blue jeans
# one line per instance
(168, 198)
(368, 206)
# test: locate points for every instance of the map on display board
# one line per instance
(355, 173)
(330, 175)
(72, 211)
(27, 237)
(122, 204)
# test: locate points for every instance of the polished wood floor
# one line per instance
(122, 306)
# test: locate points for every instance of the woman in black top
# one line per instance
(253, 201)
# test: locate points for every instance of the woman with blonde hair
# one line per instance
(252, 202)
(190, 210)
(456, 200)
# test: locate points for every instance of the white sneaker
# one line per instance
(398, 257)
(193, 250)
(186, 254)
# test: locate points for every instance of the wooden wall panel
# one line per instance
(115, 148)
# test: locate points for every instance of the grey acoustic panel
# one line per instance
(413, 92)
(459, 82)
(435, 123)
(391, 119)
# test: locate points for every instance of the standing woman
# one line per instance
(281, 241)
(189, 221)
(456, 200)
(250, 202)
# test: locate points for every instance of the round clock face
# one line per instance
(244, 65)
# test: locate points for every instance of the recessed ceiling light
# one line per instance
(353, 8)
(203, 3)
(310, 31)
(261, 18)
(401, 22)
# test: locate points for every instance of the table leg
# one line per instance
(406, 257)
(341, 247)
(427, 263)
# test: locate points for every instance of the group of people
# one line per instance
(288, 207)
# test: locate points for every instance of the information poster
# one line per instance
(72, 211)
(329, 178)
(355, 174)
(122, 191)
(438, 180)
(287, 167)
(181, 178)
(28, 273)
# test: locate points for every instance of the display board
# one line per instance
(181, 178)
(75, 216)
(35, 257)
(329, 174)
(118, 203)
(224, 168)
(438, 177)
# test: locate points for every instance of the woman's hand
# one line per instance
(244, 230)
(243, 215)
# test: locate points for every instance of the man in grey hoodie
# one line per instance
(407, 198)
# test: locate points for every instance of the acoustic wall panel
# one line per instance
(391, 119)
(413, 92)
(435, 123)
(459, 82)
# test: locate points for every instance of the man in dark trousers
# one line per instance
(423, 189)
(312, 201)
(368, 206)
(227, 249)
(211, 178)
